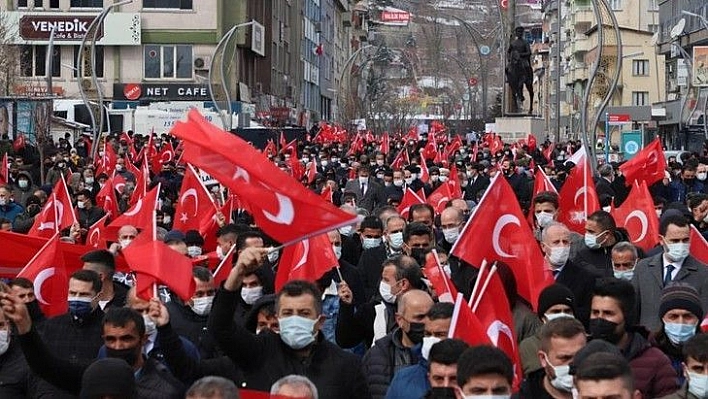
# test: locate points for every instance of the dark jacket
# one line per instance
(410, 382)
(652, 371)
(21, 194)
(597, 261)
(480, 183)
(193, 327)
(265, 358)
(16, 379)
(351, 248)
(354, 327)
(87, 217)
(370, 266)
(153, 381)
(386, 358)
(72, 340)
(532, 387)
(10, 211)
(373, 198)
(580, 282)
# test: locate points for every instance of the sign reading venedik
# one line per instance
(119, 29)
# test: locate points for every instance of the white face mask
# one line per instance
(701, 176)
(553, 316)
(150, 327)
(451, 234)
(395, 240)
(251, 295)
(166, 219)
(124, 242)
(698, 384)
(558, 256)
(337, 251)
(368, 243)
(678, 251)
(544, 218)
(220, 252)
(363, 179)
(563, 380)
(4, 341)
(385, 291)
(398, 183)
(81, 205)
(346, 230)
(443, 178)
(408, 180)
(193, 251)
(428, 343)
(202, 306)
(624, 274)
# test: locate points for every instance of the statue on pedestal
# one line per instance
(519, 72)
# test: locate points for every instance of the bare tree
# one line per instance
(9, 57)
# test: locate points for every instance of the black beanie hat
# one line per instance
(680, 296)
(108, 377)
(555, 294)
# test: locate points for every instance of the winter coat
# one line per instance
(386, 358)
(21, 194)
(10, 211)
(597, 261)
(410, 382)
(652, 371)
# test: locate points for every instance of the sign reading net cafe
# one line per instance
(119, 29)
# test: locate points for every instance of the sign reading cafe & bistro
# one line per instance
(118, 29)
(39, 27)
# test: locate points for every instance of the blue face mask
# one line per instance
(368, 243)
(79, 306)
(297, 332)
(679, 333)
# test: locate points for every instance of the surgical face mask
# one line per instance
(23, 183)
(385, 291)
(607, 208)
(414, 176)
(395, 240)
(130, 355)
(658, 212)
(202, 306)
(346, 231)
(124, 242)
(434, 178)
(701, 176)
(379, 162)
(251, 295)
(88, 180)
(81, 205)
(337, 251)
(443, 178)
(220, 252)
(451, 234)
(624, 274)
(544, 218)
(415, 332)
(193, 251)
(166, 219)
(428, 343)
(398, 183)
(563, 380)
(380, 176)
(297, 332)
(679, 333)
(273, 256)
(408, 180)
(698, 384)
(561, 315)
(368, 243)
(605, 329)
(591, 240)
(558, 255)
(678, 251)
(363, 179)
(150, 326)
(79, 306)
(119, 167)
(305, 159)
(4, 341)
(324, 162)
(3, 201)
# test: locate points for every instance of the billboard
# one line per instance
(700, 66)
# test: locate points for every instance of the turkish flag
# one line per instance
(141, 215)
(444, 288)
(142, 182)
(439, 198)
(465, 325)
(496, 145)
(401, 160)
(648, 164)
(195, 207)
(424, 175)
(222, 269)
(57, 214)
(106, 196)
(118, 183)
(409, 198)
(165, 155)
(311, 172)
(51, 285)
(96, 236)
(282, 207)
(495, 232)
(454, 145)
(156, 260)
(578, 189)
(4, 170)
(494, 313)
(307, 260)
(430, 151)
(699, 246)
(270, 148)
(385, 144)
(107, 163)
(541, 183)
(548, 152)
(637, 215)
(283, 143)
(326, 193)
(290, 148)
(531, 142)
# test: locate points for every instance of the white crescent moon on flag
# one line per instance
(305, 253)
(503, 221)
(39, 281)
(498, 327)
(286, 213)
(642, 219)
(442, 200)
(120, 187)
(241, 173)
(135, 210)
(96, 233)
(190, 193)
(578, 193)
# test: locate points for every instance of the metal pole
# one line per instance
(559, 46)
(607, 137)
(50, 61)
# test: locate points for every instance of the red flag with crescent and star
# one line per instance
(439, 198)
(508, 239)
(541, 183)
(195, 207)
(638, 217)
(307, 260)
(280, 205)
(56, 215)
(465, 325)
(106, 197)
(442, 285)
(648, 165)
(577, 191)
(165, 155)
(96, 236)
(409, 199)
(141, 215)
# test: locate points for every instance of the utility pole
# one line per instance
(559, 48)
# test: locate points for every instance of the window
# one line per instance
(170, 4)
(25, 3)
(640, 67)
(87, 61)
(168, 62)
(53, 3)
(640, 98)
(87, 3)
(616, 4)
(653, 28)
(33, 61)
(653, 5)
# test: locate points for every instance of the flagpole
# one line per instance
(585, 185)
(56, 213)
(477, 280)
(440, 268)
(474, 211)
(223, 261)
(484, 287)
(66, 191)
(339, 272)
(201, 184)
(455, 315)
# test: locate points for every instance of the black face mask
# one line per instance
(415, 332)
(605, 330)
(442, 393)
(130, 355)
(419, 255)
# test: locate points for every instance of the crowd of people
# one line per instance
(618, 321)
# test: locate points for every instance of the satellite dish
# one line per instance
(677, 30)
(654, 39)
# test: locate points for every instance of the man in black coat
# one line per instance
(369, 193)
(266, 357)
(477, 182)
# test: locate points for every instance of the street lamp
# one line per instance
(703, 19)
(227, 124)
(96, 130)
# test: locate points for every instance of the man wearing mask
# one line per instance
(601, 234)
(19, 382)
(90, 182)
(417, 240)
(369, 193)
(371, 259)
(25, 220)
(86, 213)
(376, 318)
(561, 339)
(395, 351)
(555, 244)
(624, 260)
(451, 222)
(123, 171)
(123, 332)
(695, 369)
(24, 290)
(126, 235)
(8, 208)
(194, 242)
(518, 182)
(299, 348)
(545, 211)
(675, 264)
(23, 187)
(476, 181)
(686, 184)
(612, 318)
(397, 186)
(255, 284)
(113, 293)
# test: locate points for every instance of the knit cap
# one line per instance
(108, 377)
(555, 294)
(680, 296)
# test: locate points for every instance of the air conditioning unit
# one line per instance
(347, 19)
(318, 26)
(202, 62)
(86, 84)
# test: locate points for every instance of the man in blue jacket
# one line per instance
(8, 208)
